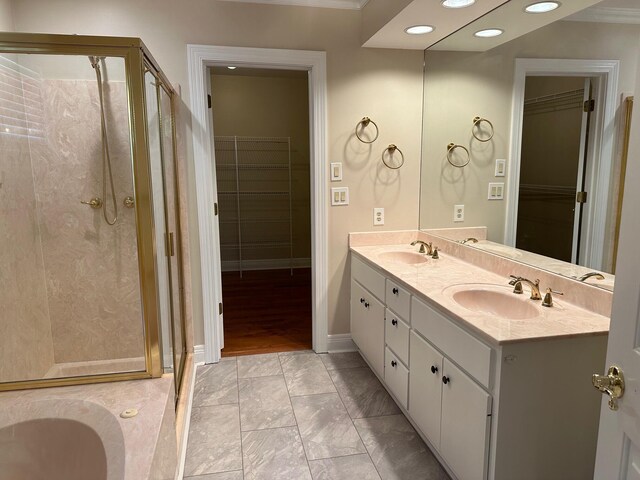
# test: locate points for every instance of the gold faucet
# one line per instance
(517, 284)
(470, 239)
(424, 247)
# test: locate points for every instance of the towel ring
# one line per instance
(392, 149)
(450, 149)
(365, 123)
(476, 125)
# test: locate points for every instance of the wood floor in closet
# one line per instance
(266, 311)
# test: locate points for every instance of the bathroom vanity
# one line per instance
(497, 385)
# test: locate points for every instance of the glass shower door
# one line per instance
(166, 219)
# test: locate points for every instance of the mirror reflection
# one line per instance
(544, 116)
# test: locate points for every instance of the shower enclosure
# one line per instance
(90, 264)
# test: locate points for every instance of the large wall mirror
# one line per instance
(525, 133)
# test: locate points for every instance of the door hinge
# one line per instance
(589, 105)
(209, 101)
(220, 308)
(215, 208)
(581, 197)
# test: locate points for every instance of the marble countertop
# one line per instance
(432, 278)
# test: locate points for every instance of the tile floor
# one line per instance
(299, 415)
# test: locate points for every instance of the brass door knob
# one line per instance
(611, 384)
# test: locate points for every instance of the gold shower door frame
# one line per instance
(134, 53)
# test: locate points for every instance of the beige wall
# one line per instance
(385, 85)
(459, 86)
(269, 106)
(6, 16)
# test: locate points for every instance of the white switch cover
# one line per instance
(378, 216)
(496, 191)
(500, 167)
(458, 213)
(336, 171)
(340, 196)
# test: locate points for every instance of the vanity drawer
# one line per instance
(396, 334)
(468, 352)
(396, 376)
(367, 277)
(398, 299)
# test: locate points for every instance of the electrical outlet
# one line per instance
(378, 216)
(336, 171)
(340, 196)
(458, 213)
(500, 167)
(496, 191)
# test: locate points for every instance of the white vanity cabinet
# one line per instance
(489, 411)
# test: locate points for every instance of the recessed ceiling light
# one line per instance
(232, 68)
(541, 7)
(489, 32)
(419, 29)
(457, 3)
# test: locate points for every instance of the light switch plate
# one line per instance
(336, 171)
(496, 191)
(501, 165)
(378, 216)
(458, 213)
(340, 196)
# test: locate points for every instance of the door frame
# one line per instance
(601, 152)
(200, 58)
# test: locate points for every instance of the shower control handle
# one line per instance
(95, 202)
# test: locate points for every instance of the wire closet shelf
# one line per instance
(254, 195)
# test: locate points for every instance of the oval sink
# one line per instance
(496, 301)
(408, 258)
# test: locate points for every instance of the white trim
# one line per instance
(200, 58)
(267, 264)
(607, 72)
(340, 342)
(340, 4)
(606, 15)
(182, 453)
(198, 355)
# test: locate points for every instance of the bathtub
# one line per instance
(77, 433)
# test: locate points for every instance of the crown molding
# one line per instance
(339, 4)
(606, 15)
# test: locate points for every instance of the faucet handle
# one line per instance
(548, 299)
(435, 255)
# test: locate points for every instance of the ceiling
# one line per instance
(384, 21)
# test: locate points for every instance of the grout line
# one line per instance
(306, 457)
(354, 425)
(240, 421)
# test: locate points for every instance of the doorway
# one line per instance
(556, 129)
(262, 168)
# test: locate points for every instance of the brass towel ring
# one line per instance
(476, 125)
(365, 123)
(450, 149)
(391, 149)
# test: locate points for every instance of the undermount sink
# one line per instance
(408, 258)
(494, 300)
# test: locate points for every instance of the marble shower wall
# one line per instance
(91, 268)
(26, 348)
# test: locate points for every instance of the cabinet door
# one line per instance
(425, 388)
(464, 435)
(367, 326)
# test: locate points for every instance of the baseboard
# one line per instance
(198, 354)
(267, 264)
(340, 342)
